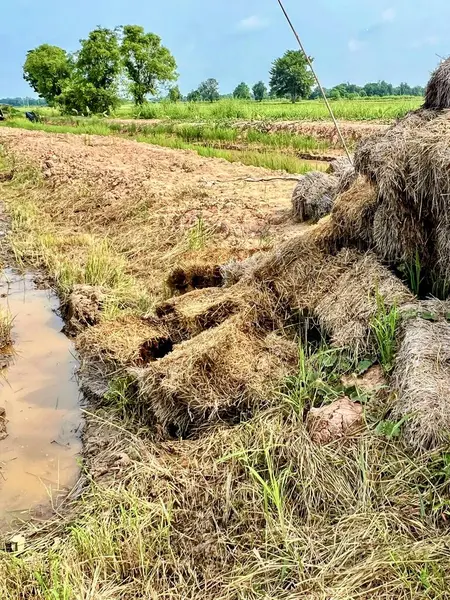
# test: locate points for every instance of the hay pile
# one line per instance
(315, 193)
(422, 375)
(408, 167)
(313, 196)
(228, 347)
(437, 94)
(218, 375)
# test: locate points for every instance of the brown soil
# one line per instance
(148, 199)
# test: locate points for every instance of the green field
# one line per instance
(361, 109)
(314, 110)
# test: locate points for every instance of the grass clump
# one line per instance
(6, 324)
(319, 377)
(384, 326)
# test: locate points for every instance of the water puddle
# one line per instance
(38, 390)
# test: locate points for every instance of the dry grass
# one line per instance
(422, 375)
(253, 511)
(313, 196)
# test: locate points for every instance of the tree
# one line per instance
(146, 61)
(83, 97)
(194, 96)
(290, 76)
(242, 92)
(334, 94)
(174, 94)
(93, 86)
(99, 60)
(259, 91)
(209, 90)
(46, 69)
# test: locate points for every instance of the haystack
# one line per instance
(353, 215)
(313, 196)
(344, 170)
(218, 375)
(422, 376)
(408, 167)
(437, 94)
(186, 316)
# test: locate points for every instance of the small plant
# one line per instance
(6, 322)
(120, 394)
(390, 429)
(318, 380)
(413, 274)
(198, 235)
(440, 286)
(384, 326)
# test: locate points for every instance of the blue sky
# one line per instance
(236, 40)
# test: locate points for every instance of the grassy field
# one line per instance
(361, 109)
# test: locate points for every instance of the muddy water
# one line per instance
(38, 458)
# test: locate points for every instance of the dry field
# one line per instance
(210, 468)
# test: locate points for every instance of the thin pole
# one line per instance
(322, 91)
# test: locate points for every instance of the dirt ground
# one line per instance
(161, 207)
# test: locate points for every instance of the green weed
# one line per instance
(318, 380)
(198, 235)
(412, 270)
(384, 325)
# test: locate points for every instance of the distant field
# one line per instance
(361, 109)
(313, 110)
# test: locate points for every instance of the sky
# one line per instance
(237, 40)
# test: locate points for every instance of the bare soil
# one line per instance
(149, 199)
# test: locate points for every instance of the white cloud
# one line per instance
(252, 23)
(354, 45)
(388, 15)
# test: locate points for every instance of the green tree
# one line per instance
(146, 61)
(209, 90)
(334, 94)
(174, 94)
(194, 96)
(84, 98)
(291, 76)
(93, 87)
(99, 61)
(46, 69)
(259, 91)
(242, 92)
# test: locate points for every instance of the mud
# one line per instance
(39, 392)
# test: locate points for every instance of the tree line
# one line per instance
(23, 101)
(128, 61)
